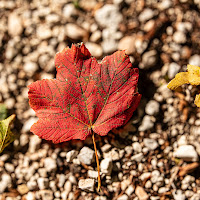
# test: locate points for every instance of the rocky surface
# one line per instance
(156, 155)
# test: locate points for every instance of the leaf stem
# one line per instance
(97, 160)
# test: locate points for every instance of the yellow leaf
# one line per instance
(180, 79)
(6, 136)
(197, 100)
(193, 74)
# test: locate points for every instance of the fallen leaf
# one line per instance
(85, 97)
(6, 136)
(3, 111)
(192, 76)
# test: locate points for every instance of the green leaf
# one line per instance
(6, 136)
(3, 111)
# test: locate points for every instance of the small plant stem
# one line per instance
(97, 160)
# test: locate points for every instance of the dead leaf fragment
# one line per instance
(6, 136)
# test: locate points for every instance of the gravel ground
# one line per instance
(156, 155)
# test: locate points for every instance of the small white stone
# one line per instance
(43, 183)
(138, 157)
(27, 125)
(137, 147)
(152, 108)
(86, 155)
(108, 16)
(30, 68)
(173, 70)
(95, 49)
(43, 32)
(129, 191)
(146, 14)
(147, 123)
(123, 197)
(74, 31)
(151, 144)
(106, 166)
(50, 164)
(187, 153)
(148, 184)
(14, 25)
(96, 36)
(92, 174)
(127, 43)
(145, 176)
(71, 155)
(179, 37)
(195, 60)
(86, 184)
(34, 143)
(30, 196)
(69, 10)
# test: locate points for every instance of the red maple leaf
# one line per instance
(86, 95)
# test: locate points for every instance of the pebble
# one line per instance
(30, 68)
(152, 107)
(27, 125)
(75, 32)
(146, 14)
(86, 184)
(46, 194)
(127, 43)
(148, 184)
(50, 164)
(179, 37)
(95, 49)
(34, 143)
(140, 192)
(109, 46)
(129, 191)
(86, 155)
(187, 153)
(178, 194)
(22, 189)
(108, 16)
(15, 26)
(92, 174)
(163, 190)
(149, 59)
(137, 147)
(5, 182)
(147, 123)
(173, 70)
(43, 183)
(67, 188)
(138, 157)
(151, 144)
(105, 148)
(145, 176)
(43, 32)
(9, 167)
(96, 36)
(123, 197)
(106, 166)
(71, 155)
(30, 196)
(69, 11)
(195, 60)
